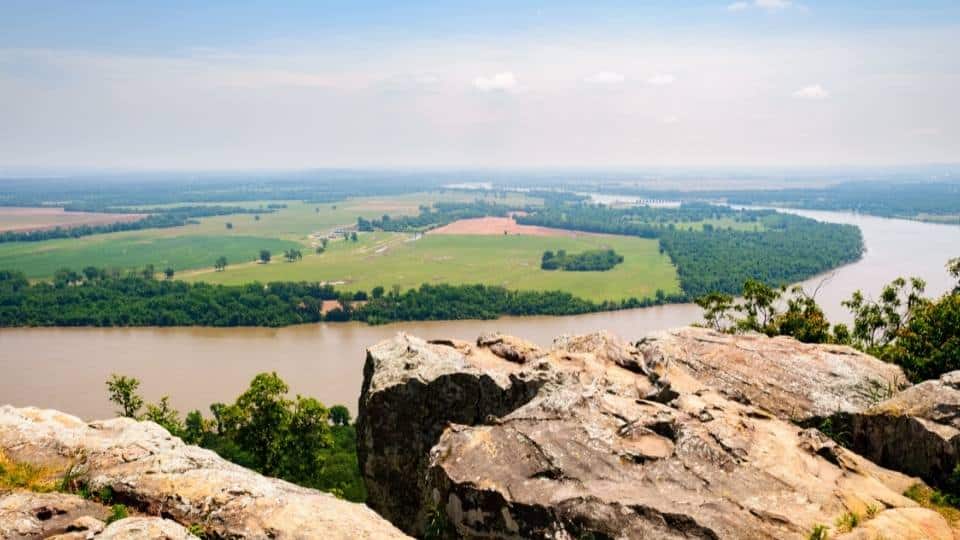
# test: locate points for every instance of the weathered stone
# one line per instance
(145, 527)
(566, 446)
(157, 474)
(33, 515)
(903, 524)
(916, 431)
(793, 380)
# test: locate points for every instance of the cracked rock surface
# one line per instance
(598, 438)
(157, 474)
(916, 431)
(793, 380)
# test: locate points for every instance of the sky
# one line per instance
(289, 85)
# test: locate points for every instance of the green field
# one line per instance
(198, 246)
(381, 258)
(132, 250)
(390, 259)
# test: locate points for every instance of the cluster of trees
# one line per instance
(158, 218)
(299, 440)
(448, 302)
(784, 249)
(642, 221)
(439, 214)
(100, 298)
(791, 249)
(587, 261)
(292, 254)
(97, 297)
(920, 334)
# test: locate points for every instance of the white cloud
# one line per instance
(769, 5)
(669, 119)
(503, 82)
(605, 77)
(814, 91)
(661, 79)
(772, 4)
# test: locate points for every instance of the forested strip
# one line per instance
(135, 300)
(441, 213)
(158, 218)
(783, 249)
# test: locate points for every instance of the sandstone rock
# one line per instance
(917, 431)
(793, 380)
(908, 523)
(145, 527)
(32, 515)
(569, 445)
(157, 474)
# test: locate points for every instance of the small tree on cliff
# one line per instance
(123, 392)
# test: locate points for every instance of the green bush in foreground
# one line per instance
(298, 440)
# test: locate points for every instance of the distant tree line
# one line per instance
(157, 218)
(441, 213)
(95, 297)
(297, 439)
(595, 260)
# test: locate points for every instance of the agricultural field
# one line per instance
(198, 246)
(23, 219)
(512, 261)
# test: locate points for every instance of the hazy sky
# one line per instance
(496, 83)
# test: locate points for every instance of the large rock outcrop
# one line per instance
(158, 475)
(793, 380)
(598, 438)
(61, 516)
(916, 431)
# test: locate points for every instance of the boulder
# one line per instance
(33, 515)
(157, 474)
(595, 438)
(145, 527)
(916, 431)
(793, 380)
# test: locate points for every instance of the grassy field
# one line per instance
(133, 251)
(198, 246)
(389, 259)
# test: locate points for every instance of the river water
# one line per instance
(65, 368)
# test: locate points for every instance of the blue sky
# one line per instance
(310, 84)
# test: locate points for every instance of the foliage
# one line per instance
(886, 199)
(597, 260)
(819, 532)
(441, 213)
(783, 248)
(848, 521)
(936, 500)
(297, 439)
(22, 475)
(877, 323)
(117, 512)
(339, 415)
(134, 300)
(762, 311)
(716, 310)
(164, 415)
(123, 392)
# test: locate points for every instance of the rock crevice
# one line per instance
(600, 438)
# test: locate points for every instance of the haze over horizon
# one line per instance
(762, 83)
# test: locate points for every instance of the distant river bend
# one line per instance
(65, 368)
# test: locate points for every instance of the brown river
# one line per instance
(65, 368)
